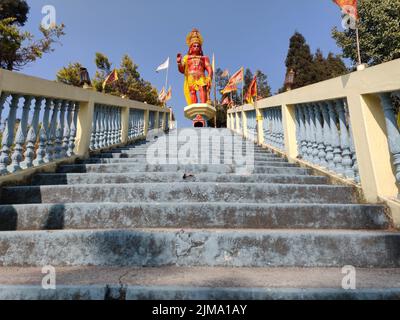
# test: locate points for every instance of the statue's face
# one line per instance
(196, 48)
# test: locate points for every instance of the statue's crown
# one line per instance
(194, 37)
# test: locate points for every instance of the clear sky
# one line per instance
(250, 33)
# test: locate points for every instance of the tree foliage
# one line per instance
(19, 48)
(70, 75)
(130, 83)
(311, 68)
(379, 31)
(300, 59)
(17, 9)
(327, 68)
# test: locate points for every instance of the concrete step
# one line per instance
(121, 168)
(200, 283)
(254, 153)
(196, 168)
(144, 177)
(176, 192)
(221, 160)
(108, 155)
(191, 215)
(197, 248)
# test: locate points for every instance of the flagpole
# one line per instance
(166, 83)
(358, 46)
(242, 86)
(166, 80)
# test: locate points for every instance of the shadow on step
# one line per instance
(10, 220)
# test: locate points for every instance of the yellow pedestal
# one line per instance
(202, 109)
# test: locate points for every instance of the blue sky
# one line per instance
(251, 33)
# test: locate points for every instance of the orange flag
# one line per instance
(169, 95)
(162, 95)
(348, 6)
(111, 78)
(229, 88)
(252, 91)
(237, 77)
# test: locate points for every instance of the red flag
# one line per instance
(111, 78)
(229, 88)
(169, 95)
(226, 101)
(252, 91)
(237, 77)
(348, 6)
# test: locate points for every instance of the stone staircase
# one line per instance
(116, 227)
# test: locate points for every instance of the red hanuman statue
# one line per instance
(194, 66)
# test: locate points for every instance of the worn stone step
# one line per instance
(185, 192)
(109, 155)
(107, 178)
(199, 283)
(217, 169)
(121, 168)
(192, 215)
(126, 157)
(221, 160)
(254, 153)
(195, 248)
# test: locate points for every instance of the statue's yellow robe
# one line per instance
(191, 82)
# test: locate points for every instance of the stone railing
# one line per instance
(44, 122)
(347, 127)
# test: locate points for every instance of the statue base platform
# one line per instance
(199, 113)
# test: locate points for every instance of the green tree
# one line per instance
(103, 65)
(300, 59)
(18, 48)
(17, 9)
(379, 31)
(327, 68)
(70, 75)
(129, 84)
(336, 65)
(264, 90)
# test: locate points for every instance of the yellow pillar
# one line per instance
(156, 122)
(244, 122)
(289, 127)
(164, 121)
(125, 124)
(260, 127)
(84, 128)
(372, 149)
(146, 122)
(237, 123)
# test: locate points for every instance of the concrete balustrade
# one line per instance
(251, 124)
(347, 128)
(273, 128)
(136, 124)
(44, 123)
